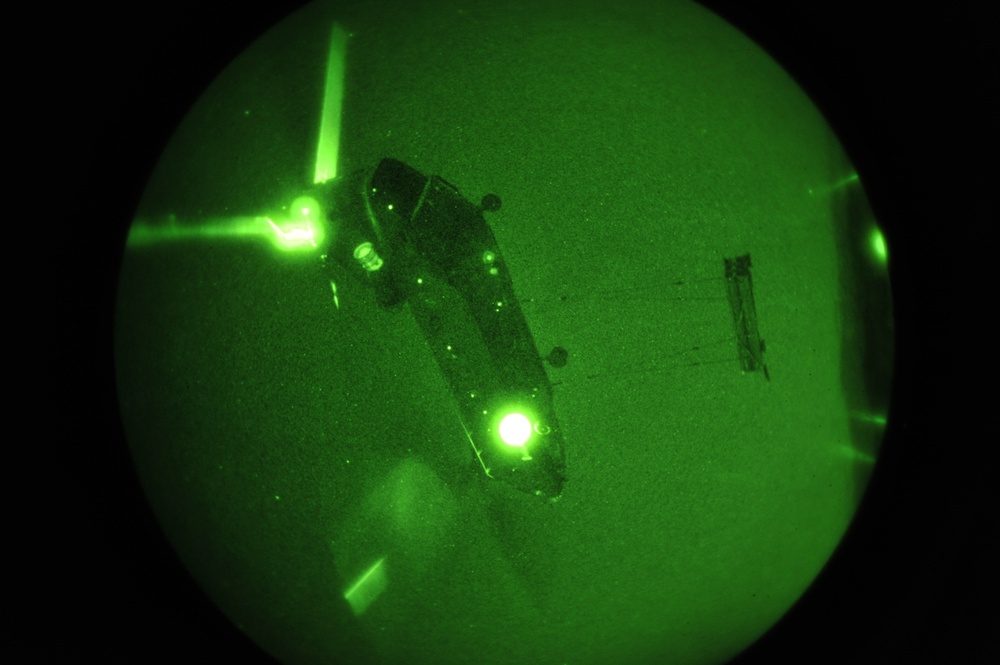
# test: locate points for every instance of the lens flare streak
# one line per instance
(287, 236)
(368, 587)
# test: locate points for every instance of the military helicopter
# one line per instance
(421, 246)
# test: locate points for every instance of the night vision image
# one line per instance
(497, 332)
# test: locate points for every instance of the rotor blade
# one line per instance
(295, 231)
(146, 232)
(333, 96)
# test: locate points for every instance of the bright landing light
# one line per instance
(515, 429)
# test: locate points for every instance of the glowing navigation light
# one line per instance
(302, 229)
(291, 237)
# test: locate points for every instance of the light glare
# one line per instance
(515, 429)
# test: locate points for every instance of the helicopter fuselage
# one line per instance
(420, 242)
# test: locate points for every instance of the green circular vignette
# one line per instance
(701, 315)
